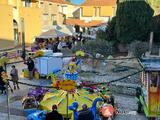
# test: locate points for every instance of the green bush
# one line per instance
(138, 48)
(98, 46)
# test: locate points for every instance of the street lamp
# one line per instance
(23, 39)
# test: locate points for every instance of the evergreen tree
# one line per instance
(133, 21)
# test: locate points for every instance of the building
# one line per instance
(11, 20)
(90, 14)
(93, 13)
(55, 12)
(6, 21)
(43, 14)
(102, 10)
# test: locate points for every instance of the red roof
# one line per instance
(59, 1)
(89, 2)
(82, 23)
(99, 3)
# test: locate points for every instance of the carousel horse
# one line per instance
(74, 108)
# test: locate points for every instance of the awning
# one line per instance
(67, 29)
(52, 34)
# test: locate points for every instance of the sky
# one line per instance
(77, 2)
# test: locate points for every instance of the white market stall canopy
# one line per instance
(65, 29)
(52, 34)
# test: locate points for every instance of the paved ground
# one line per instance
(127, 107)
(5, 44)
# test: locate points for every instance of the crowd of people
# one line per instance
(57, 44)
(14, 75)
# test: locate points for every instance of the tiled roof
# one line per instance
(99, 3)
(89, 2)
(59, 1)
(82, 23)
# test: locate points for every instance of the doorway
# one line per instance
(16, 36)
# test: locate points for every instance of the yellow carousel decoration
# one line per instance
(80, 53)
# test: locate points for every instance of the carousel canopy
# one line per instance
(59, 98)
(53, 34)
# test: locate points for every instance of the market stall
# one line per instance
(49, 62)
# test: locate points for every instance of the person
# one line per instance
(59, 47)
(73, 40)
(14, 76)
(2, 83)
(85, 113)
(112, 100)
(69, 44)
(30, 64)
(54, 115)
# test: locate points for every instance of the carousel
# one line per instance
(68, 96)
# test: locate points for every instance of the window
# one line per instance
(154, 79)
(97, 11)
(28, 3)
(53, 17)
(64, 9)
(45, 16)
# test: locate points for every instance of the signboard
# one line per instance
(67, 85)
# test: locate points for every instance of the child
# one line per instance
(14, 76)
(2, 83)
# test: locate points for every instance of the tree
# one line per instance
(98, 46)
(100, 34)
(111, 30)
(133, 21)
(156, 28)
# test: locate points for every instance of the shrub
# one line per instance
(138, 48)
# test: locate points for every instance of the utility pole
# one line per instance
(151, 42)
(8, 107)
(23, 39)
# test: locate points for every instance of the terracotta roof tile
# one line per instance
(59, 1)
(89, 2)
(99, 3)
(82, 23)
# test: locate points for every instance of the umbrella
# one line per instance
(59, 97)
(107, 111)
